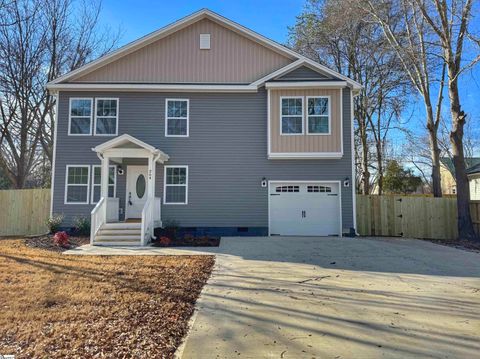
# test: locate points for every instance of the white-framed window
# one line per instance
(97, 182)
(177, 117)
(291, 115)
(106, 116)
(175, 185)
(77, 184)
(318, 115)
(80, 116)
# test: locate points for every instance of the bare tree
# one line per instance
(43, 39)
(450, 22)
(335, 33)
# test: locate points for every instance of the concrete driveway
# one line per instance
(338, 298)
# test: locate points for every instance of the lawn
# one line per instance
(55, 305)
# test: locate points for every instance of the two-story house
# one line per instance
(211, 125)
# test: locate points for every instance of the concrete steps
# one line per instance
(119, 234)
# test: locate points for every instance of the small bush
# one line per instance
(54, 222)
(61, 239)
(165, 241)
(82, 226)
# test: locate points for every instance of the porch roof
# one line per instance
(129, 146)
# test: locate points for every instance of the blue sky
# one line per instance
(268, 17)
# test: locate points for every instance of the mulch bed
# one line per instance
(183, 239)
(65, 306)
(46, 242)
(458, 243)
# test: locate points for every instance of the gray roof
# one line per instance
(474, 169)
(472, 163)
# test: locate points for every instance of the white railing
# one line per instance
(147, 221)
(97, 218)
(157, 212)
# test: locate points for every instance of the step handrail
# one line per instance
(97, 218)
(147, 215)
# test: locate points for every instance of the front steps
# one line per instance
(119, 234)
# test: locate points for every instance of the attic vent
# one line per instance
(204, 41)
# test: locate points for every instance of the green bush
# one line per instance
(54, 222)
(82, 225)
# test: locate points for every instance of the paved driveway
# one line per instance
(338, 298)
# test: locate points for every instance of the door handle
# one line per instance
(304, 214)
(130, 198)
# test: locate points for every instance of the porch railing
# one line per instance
(147, 222)
(97, 218)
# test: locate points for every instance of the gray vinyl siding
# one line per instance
(226, 154)
(302, 73)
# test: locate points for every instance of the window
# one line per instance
(291, 115)
(97, 181)
(324, 189)
(287, 189)
(176, 118)
(175, 189)
(77, 183)
(106, 116)
(318, 115)
(80, 119)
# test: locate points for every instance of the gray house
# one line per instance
(209, 124)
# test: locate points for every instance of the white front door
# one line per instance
(136, 191)
(304, 209)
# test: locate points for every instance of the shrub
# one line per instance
(54, 222)
(171, 227)
(165, 241)
(61, 239)
(82, 226)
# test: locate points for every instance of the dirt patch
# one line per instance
(46, 242)
(57, 306)
(457, 243)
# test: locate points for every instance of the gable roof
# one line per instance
(182, 23)
(474, 169)
(470, 163)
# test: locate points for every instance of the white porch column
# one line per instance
(151, 177)
(104, 183)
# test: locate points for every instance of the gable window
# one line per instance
(291, 115)
(175, 189)
(318, 115)
(80, 117)
(106, 116)
(176, 117)
(97, 182)
(77, 184)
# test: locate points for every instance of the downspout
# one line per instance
(155, 159)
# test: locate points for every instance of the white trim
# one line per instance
(66, 184)
(174, 185)
(177, 118)
(54, 155)
(305, 84)
(199, 15)
(281, 115)
(268, 123)
(307, 181)
(305, 155)
(353, 182)
(152, 87)
(92, 190)
(328, 97)
(96, 115)
(70, 115)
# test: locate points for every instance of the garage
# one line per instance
(304, 208)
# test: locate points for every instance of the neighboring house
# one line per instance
(211, 125)
(447, 172)
(473, 174)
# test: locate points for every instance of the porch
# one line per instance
(141, 210)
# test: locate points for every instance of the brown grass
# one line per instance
(54, 305)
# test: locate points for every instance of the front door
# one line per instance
(136, 191)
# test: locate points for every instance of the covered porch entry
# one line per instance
(141, 212)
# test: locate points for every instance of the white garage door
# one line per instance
(304, 209)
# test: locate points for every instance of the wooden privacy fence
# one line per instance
(415, 217)
(24, 211)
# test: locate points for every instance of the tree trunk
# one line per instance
(365, 171)
(380, 168)
(465, 225)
